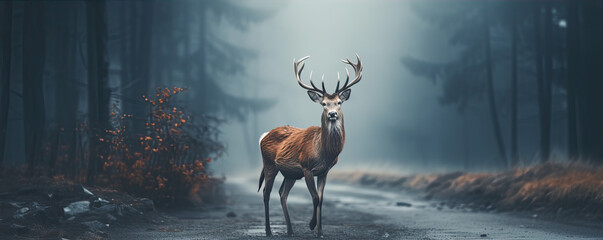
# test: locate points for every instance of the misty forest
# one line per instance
(141, 119)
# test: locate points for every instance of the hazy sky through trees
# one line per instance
(392, 118)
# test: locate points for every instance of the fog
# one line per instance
(394, 120)
(443, 88)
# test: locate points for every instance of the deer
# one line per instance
(306, 153)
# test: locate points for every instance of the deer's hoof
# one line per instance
(312, 224)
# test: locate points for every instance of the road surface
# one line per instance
(349, 212)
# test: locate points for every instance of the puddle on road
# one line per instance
(260, 231)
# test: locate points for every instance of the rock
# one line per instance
(98, 202)
(95, 225)
(148, 204)
(483, 235)
(19, 216)
(403, 204)
(16, 204)
(18, 229)
(126, 210)
(76, 208)
(231, 214)
(86, 191)
(109, 208)
(22, 210)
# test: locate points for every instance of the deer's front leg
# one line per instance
(312, 188)
(322, 181)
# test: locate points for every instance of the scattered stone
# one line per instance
(18, 216)
(231, 214)
(403, 204)
(76, 208)
(109, 208)
(22, 210)
(483, 235)
(86, 191)
(98, 202)
(535, 215)
(126, 210)
(15, 204)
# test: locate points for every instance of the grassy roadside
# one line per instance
(560, 189)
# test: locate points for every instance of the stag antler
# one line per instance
(357, 70)
(298, 67)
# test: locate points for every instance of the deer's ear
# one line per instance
(314, 96)
(345, 95)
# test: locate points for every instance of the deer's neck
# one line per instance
(332, 138)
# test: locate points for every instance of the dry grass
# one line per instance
(566, 189)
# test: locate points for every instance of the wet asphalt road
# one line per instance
(349, 212)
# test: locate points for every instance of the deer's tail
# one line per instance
(261, 180)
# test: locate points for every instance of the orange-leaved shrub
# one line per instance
(168, 161)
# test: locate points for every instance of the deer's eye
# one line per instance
(324, 103)
(339, 103)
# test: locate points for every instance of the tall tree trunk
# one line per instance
(545, 124)
(514, 148)
(573, 65)
(203, 75)
(589, 86)
(34, 53)
(544, 141)
(141, 22)
(491, 97)
(98, 92)
(66, 91)
(6, 23)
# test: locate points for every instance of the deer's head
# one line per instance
(331, 103)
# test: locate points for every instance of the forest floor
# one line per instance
(47, 208)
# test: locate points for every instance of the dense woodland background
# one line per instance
(96, 90)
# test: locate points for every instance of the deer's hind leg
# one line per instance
(270, 174)
(284, 192)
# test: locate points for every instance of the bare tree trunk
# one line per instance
(6, 22)
(98, 92)
(514, 148)
(34, 53)
(139, 47)
(66, 104)
(544, 150)
(545, 96)
(491, 97)
(573, 47)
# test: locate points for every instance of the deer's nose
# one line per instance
(332, 114)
